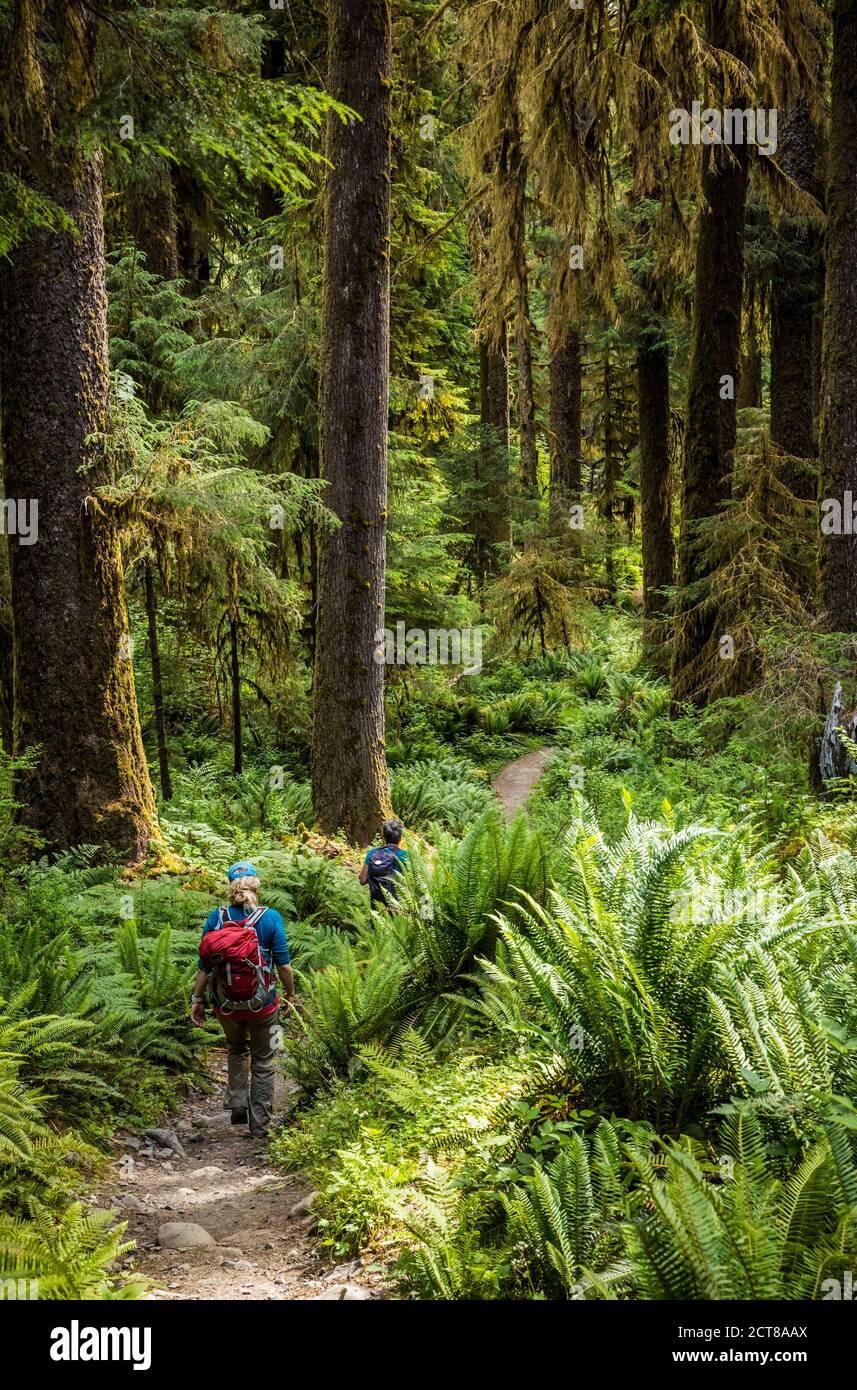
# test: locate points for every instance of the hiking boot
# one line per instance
(239, 1115)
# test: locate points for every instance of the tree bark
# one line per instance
(513, 170)
(710, 423)
(157, 686)
(566, 397)
(750, 375)
(793, 297)
(526, 400)
(74, 680)
(653, 403)
(235, 681)
(838, 442)
(152, 216)
(491, 523)
(349, 772)
(192, 212)
(273, 69)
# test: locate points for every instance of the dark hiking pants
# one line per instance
(250, 1066)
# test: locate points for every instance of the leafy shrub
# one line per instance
(449, 903)
(309, 888)
(72, 1255)
(751, 1236)
(616, 977)
(446, 792)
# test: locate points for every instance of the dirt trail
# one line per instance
(223, 1183)
(516, 780)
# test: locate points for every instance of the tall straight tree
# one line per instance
(793, 295)
(653, 404)
(349, 770)
(566, 442)
(513, 168)
(710, 421)
(838, 436)
(73, 683)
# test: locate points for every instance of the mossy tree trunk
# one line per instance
(513, 165)
(491, 521)
(566, 397)
(793, 303)
(838, 437)
(74, 690)
(656, 525)
(710, 423)
(349, 772)
(157, 685)
(235, 686)
(526, 399)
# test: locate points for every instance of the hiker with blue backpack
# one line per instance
(382, 866)
(242, 946)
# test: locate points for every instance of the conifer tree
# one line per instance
(838, 444)
(74, 690)
(350, 789)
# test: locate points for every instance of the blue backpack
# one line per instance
(382, 865)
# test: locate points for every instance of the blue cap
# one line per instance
(243, 869)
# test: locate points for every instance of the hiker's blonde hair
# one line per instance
(244, 891)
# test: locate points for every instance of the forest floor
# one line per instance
(209, 1217)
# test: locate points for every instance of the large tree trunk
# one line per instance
(350, 788)
(74, 679)
(566, 396)
(235, 684)
(838, 443)
(513, 168)
(750, 372)
(192, 240)
(273, 69)
(157, 686)
(491, 522)
(710, 424)
(526, 400)
(793, 298)
(152, 217)
(653, 403)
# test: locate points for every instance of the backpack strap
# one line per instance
(226, 920)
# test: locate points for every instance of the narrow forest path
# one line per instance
(212, 1219)
(514, 782)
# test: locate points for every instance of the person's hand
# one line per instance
(197, 1015)
(287, 1003)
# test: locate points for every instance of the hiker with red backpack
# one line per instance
(242, 944)
(382, 866)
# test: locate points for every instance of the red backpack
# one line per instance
(240, 976)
